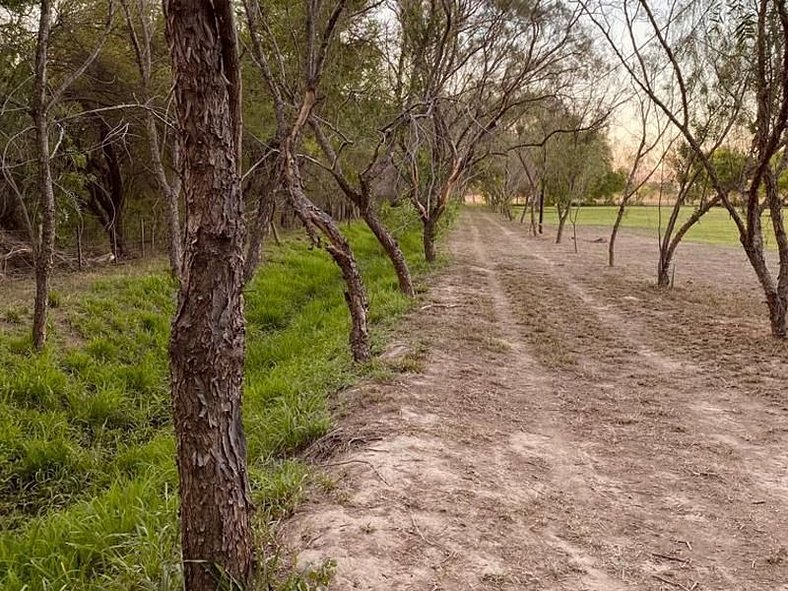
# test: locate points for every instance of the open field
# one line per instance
(571, 428)
(88, 489)
(715, 227)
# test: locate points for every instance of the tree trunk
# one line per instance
(664, 266)
(46, 242)
(562, 215)
(392, 249)
(611, 247)
(777, 314)
(525, 209)
(207, 342)
(339, 249)
(315, 219)
(171, 192)
(263, 223)
(776, 303)
(428, 238)
(264, 213)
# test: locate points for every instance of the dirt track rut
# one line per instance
(570, 428)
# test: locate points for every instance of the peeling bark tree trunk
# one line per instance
(207, 343)
(315, 219)
(46, 242)
(392, 250)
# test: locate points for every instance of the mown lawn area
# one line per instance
(716, 227)
(88, 497)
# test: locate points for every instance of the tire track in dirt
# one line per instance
(490, 470)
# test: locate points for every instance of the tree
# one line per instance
(648, 141)
(575, 162)
(207, 342)
(42, 102)
(293, 108)
(464, 66)
(140, 21)
(725, 69)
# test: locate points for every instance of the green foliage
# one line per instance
(87, 493)
(730, 167)
(610, 184)
(576, 166)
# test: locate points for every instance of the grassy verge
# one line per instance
(87, 492)
(715, 227)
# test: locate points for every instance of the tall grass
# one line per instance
(88, 488)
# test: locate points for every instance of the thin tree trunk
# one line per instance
(171, 190)
(428, 239)
(533, 216)
(339, 249)
(525, 209)
(264, 221)
(46, 242)
(275, 233)
(574, 234)
(361, 199)
(562, 216)
(207, 342)
(663, 269)
(777, 314)
(171, 194)
(392, 250)
(611, 247)
(776, 303)
(671, 241)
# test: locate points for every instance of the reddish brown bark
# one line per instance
(207, 343)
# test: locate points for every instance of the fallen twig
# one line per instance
(421, 535)
(669, 557)
(685, 542)
(428, 306)
(375, 470)
(676, 583)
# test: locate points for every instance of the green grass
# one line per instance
(715, 227)
(87, 485)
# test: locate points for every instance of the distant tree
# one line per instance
(723, 71)
(610, 184)
(140, 16)
(650, 136)
(464, 68)
(575, 164)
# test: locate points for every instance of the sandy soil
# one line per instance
(571, 428)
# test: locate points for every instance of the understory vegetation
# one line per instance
(88, 497)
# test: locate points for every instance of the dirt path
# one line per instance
(570, 428)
